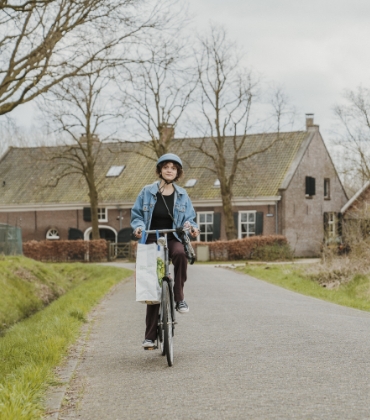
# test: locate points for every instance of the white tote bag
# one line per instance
(148, 288)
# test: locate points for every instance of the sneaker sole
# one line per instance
(182, 311)
(148, 346)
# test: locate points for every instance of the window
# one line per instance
(246, 224)
(190, 183)
(52, 233)
(115, 171)
(332, 222)
(310, 186)
(102, 214)
(205, 223)
(332, 225)
(327, 189)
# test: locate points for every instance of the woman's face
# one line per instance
(169, 171)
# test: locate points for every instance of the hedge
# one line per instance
(238, 249)
(76, 250)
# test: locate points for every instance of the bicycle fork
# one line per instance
(170, 284)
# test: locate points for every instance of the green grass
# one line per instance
(355, 294)
(32, 348)
(27, 286)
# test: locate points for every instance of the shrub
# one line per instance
(272, 247)
(244, 249)
(336, 268)
(79, 250)
(273, 252)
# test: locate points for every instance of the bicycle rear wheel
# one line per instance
(167, 323)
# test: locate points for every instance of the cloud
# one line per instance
(314, 49)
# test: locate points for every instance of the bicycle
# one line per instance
(167, 317)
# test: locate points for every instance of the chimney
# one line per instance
(166, 133)
(310, 126)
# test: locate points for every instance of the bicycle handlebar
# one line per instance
(189, 251)
(165, 230)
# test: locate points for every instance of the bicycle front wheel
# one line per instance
(167, 323)
(160, 331)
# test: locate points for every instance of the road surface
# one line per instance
(246, 350)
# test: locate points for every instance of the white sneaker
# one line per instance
(148, 344)
(182, 307)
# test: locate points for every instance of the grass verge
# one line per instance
(32, 348)
(355, 294)
(27, 286)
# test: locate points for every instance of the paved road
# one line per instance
(247, 350)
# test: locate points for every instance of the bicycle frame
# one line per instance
(167, 275)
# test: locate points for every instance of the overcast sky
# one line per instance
(313, 49)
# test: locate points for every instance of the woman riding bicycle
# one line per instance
(165, 205)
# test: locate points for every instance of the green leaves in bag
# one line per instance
(160, 270)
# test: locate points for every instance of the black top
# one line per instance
(160, 217)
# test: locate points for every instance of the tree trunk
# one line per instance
(93, 194)
(226, 196)
(231, 232)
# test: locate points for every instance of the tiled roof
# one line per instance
(26, 174)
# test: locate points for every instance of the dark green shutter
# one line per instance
(313, 186)
(259, 223)
(124, 235)
(74, 234)
(87, 214)
(326, 224)
(216, 226)
(236, 219)
(310, 186)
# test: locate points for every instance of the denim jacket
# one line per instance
(141, 213)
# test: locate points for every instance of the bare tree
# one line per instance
(43, 42)
(227, 92)
(22, 6)
(9, 131)
(81, 107)
(354, 138)
(160, 89)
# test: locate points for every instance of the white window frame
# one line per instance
(102, 214)
(241, 234)
(52, 234)
(332, 225)
(199, 213)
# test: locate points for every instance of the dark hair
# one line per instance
(180, 171)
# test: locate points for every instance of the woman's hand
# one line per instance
(194, 232)
(138, 233)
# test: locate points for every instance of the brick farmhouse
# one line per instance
(285, 190)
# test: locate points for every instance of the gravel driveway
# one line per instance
(246, 350)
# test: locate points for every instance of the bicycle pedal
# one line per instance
(150, 348)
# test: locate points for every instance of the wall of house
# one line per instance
(302, 217)
(269, 221)
(35, 224)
